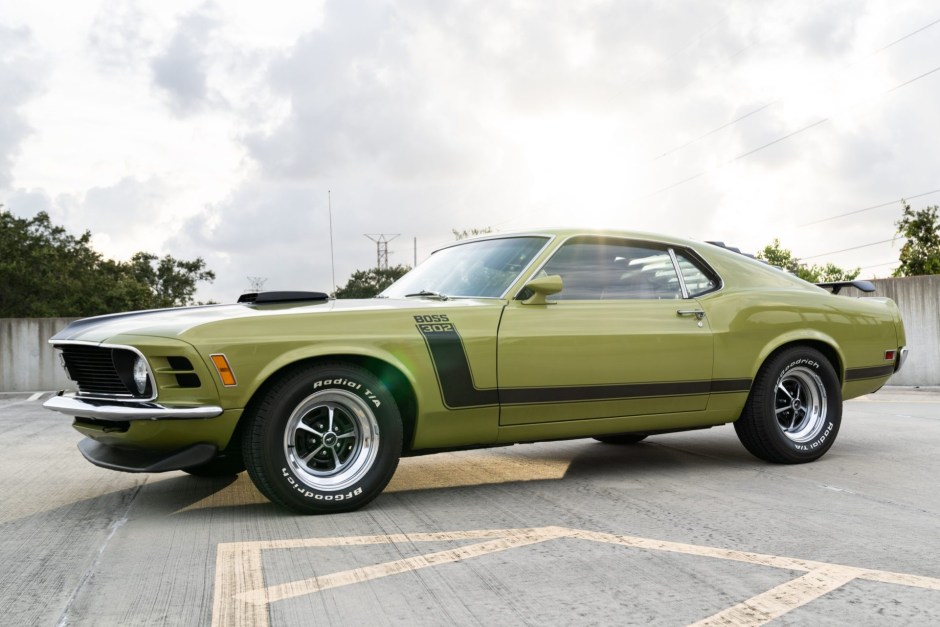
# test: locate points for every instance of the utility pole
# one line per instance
(381, 248)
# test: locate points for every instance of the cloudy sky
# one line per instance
(220, 129)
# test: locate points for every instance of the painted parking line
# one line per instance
(241, 598)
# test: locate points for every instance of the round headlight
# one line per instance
(141, 374)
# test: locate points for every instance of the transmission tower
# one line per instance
(256, 283)
(381, 248)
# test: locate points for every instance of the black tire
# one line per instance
(793, 413)
(323, 439)
(623, 438)
(228, 464)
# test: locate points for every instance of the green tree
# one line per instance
(777, 255)
(170, 281)
(368, 283)
(468, 233)
(47, 272)
(920, 254)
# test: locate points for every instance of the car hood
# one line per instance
(178, 321)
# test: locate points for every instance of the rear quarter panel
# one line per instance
(751, 324)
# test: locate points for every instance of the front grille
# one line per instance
(94, 369)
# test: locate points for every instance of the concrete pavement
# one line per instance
(681, 529)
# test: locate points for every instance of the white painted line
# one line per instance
(242, 600)
(36, 396)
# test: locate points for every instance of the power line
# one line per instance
(884, 204)
(911, 34)
(715, 130)
(878, 265)
(769, 104)
(780, 139)
(847, 249)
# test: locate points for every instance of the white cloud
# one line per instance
(21, 74)
(216, 130)
(181, 69)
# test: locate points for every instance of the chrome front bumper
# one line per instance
(120, 412)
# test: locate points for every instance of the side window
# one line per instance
(595, 268)
(698, 279)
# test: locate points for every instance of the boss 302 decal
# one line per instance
(455, 379)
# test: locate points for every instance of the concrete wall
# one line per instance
(918, 298)
(28, 363)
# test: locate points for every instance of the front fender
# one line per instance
(255, 365)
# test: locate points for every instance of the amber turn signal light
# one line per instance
(225, 371)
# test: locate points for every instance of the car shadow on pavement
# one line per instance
(663, 457)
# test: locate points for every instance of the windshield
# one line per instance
(480, 269)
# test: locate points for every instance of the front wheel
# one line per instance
(795, 408)
(323, 439)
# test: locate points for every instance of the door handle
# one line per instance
(698, 313)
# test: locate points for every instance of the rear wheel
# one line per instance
(795, 408)
(323, 439)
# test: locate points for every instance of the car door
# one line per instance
(622, 338)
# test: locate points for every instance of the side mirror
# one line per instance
(542, 287)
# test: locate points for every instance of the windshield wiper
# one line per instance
(428, 294)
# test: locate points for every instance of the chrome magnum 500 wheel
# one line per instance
(794, 410)
(324, 439)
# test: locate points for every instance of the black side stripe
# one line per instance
(724, 386)
(453, 369)
(874, 372)
(458, 390)
(618, 391)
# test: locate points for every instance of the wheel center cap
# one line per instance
(330, 439)
(797, 404)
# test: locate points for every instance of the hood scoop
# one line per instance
(280, 297)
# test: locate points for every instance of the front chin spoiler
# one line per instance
(139, 460)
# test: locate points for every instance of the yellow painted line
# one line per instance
(294, 589)
(786, 597)
(238, 567)
(466, 468)
(901, 579)
(899, 399)
(241, 598)
(459, 469)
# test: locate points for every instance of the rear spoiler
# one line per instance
(836, 287)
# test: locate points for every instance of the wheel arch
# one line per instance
(398, 384)
(758, 426)
(826, 346)
(827, 349)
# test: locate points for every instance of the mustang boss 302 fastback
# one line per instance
(498, 340)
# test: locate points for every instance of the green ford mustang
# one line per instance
(498, 340)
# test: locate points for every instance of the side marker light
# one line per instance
(225, 371)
